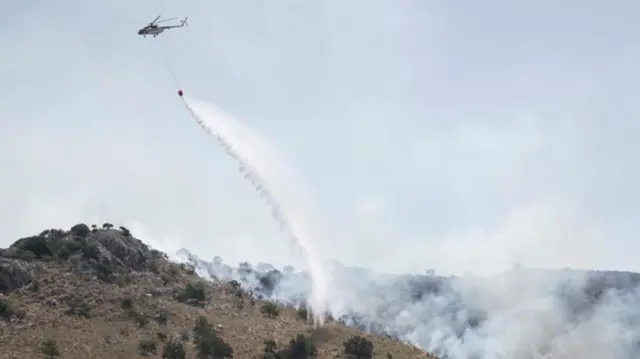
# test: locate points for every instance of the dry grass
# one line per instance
(111, 332)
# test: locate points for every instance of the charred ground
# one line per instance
(99, 292)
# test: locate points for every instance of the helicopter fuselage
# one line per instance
(151, 30)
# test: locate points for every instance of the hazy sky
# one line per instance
(448, 135)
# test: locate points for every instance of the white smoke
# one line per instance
(276, 184)
(521, 314)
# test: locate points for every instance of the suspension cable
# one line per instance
(166, 61)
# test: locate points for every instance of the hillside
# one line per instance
(99, 292)
(554, 311)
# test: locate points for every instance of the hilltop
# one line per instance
(100, 292)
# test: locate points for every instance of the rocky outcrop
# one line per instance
(110, 247)
(104, 252)
(13, 274)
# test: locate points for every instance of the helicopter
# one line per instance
(155, 30)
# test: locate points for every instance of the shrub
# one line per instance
(270, 280)
(162, 317)
(147, 347)
(202, 326)
(173, 350)
(162, 336)
(234, 284)
(185, 335)
(299, 348)
(126, 303)
(91, 251)
(67, 248)
(359, 347)
(302, 313)
(27, 256)
(269, 346)
(104, 272)
(270, 310)
(172, 271)
(140, 318)
(6, 309)
(208, 343)
(50, 349)
(211, 345)
(193, 291)
(79, 306)
(34, 244)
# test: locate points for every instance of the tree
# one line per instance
(50, 349)
(107, 225)
(81, 230)
(359, 347)
(431, 272)
(125, 231)
(234, 284)
(270, 280)
(217, 261)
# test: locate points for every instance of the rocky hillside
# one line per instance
(99, 292)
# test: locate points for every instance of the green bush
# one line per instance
(147, 347)
(359, 347)
(173, 350)
(270, 346)
(269, 309)
(208, 344)
(300, 347)
(125, 231)
(67, 248)
(193, 291)
(34, 244)
(126, 303)
(302, 313)
(27, 256)
(50, 349)
(91, 251)
(6, 309)
(162, 317)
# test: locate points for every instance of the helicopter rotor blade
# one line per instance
(156, 19)
(173, 18)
